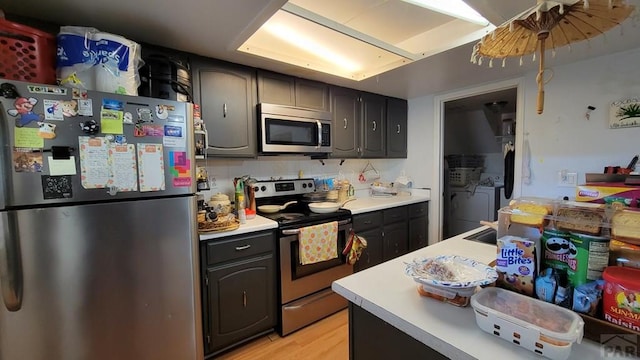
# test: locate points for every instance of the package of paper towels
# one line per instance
(93, 60)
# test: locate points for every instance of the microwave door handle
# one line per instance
(10, 264)
(319, 133)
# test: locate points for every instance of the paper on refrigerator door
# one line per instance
(124, 172)
(150, 167)
(94, 162)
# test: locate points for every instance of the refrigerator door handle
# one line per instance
(10, 264)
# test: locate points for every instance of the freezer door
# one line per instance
(106, 281)
(142, 147)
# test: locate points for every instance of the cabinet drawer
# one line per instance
(239, 247)
(395, 214)
(367, 220)
(417, 210)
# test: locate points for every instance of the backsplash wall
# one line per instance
(223, 171)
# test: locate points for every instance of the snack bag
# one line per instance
(516, 264)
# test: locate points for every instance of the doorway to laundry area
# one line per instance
(478, 154)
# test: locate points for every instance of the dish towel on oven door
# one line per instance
(318, 243)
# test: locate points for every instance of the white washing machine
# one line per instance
(468, 206)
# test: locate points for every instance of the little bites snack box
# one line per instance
(621, 296)
(516, 264)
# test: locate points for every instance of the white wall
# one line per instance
(560, 138)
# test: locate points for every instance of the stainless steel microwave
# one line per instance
(288, 129)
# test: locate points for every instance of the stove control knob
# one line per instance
(304, 186)
(263, 188)
(256, 189)
(310, 185)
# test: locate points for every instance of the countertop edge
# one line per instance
(445, 328)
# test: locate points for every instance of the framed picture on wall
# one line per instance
(624, 113)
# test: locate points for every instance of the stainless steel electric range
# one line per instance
(305, 294)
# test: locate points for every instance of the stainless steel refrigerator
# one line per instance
(98, 238)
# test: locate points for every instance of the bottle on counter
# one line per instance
(242, 216)
(240, 204)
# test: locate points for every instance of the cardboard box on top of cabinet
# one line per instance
(609, 193)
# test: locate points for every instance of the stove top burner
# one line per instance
(288, 216)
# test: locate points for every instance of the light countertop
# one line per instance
(385, 291)
(366, 203)
(361, 204)
(258, 223)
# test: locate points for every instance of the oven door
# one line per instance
(301, 280)
(286, 134)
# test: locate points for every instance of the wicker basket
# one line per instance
(463, 176)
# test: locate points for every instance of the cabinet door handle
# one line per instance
(374, 125)
(244, 298)
(224, 110)
(345, 122)
(398, 131)
(244, 247)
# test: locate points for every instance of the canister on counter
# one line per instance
(589, 256)
(556, 253)
(621, 296)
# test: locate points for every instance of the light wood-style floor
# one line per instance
(325, 339)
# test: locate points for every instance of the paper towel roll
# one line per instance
(117, 73)
(95, 60)
(74, 65)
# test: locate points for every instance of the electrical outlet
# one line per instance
(567, 179)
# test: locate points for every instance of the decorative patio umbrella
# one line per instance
(549, 24)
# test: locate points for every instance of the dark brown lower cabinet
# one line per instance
(239, 290)
(418, 226)
(371, 338)
(391, 232)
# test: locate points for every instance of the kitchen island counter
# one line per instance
(390, 295)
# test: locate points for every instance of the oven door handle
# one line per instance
(319, 133)
(297, 231)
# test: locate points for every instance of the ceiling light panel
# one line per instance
(294, 40)
(357, 39)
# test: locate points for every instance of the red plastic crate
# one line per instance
(27, 54)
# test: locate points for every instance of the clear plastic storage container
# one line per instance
(541, 327)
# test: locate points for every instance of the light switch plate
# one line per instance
(567, 179)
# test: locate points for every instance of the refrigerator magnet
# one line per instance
(174, 136)
(90, 127)
(162, 112)
(46, 130)
(79, 94)
(85, 107)
(111, 121)
(49, 90)
(127, 118)
(145, 115)
(9, 91)
(27, 160)
(111, 104)
(153, 130)
(69, 108)
(23, 110)
(56, 187)
(53, 110)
